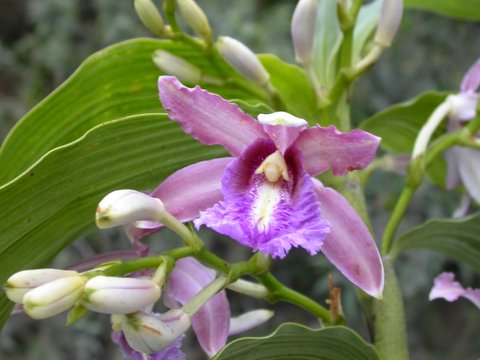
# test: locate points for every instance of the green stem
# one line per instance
(396, 217)
(279, 292)
(390, 328)
(205, 294)
(130, 266)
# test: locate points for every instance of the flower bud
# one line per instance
(243, 60)
(390, 18)
(463, 106)
(22, 282)
(151, 333)
(303, 30)
(126, 206)
(150, 16)
(176, 66)
(53, 297)
(195, 17)
(249, 320)
(118, 295)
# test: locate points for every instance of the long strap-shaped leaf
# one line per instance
(54, 201)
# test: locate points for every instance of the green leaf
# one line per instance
(399, 125)
(118, 81)
(295, 341)
(456, 238)
(461, 9)
(54, 201)
(293, 87)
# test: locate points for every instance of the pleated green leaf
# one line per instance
(461, 9)
(456, 238)
(118, 81)
(399, 125)
(295, 341)
(54, 201)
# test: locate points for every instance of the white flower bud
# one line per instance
(53, 297)
(122, 207)
(22, 282)
(149, 333)
(463, 106)
(249, 320)
(243, 60)
(195, 17)
(150, 16)
(176, 66)
(303, 30)
(390, 18)
(118, 295)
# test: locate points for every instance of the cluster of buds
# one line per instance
(48, 292)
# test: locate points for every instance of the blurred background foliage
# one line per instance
(43, 42)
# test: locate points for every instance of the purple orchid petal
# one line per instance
(186, 192)
(452, 179)
(473, 295)
(471, 80)
(270, 217)
(212, 322)
(282, 128)
(172, 352)
(283, 136)
(445, 287)
(208, 117)
(325, 148)
(468, 162)
(350, 246)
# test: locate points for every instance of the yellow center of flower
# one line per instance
(273, 167)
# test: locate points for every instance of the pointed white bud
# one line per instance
(22, 282)
(53, 297)
(195, 17)
(151, 333)
(122, 207)
(390, 18)
(249, 320)
(176, 66)
(150, 16)
(303, 30)
(243, 60)
(118, 295)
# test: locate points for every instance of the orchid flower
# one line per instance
(447, 288)
(265, 196)
(463, 164)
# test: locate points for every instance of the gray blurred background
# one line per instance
(43, 42)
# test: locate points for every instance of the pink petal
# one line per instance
(283, 136)
(350, 246)
(325, 148)
(446, 288)
(283, 128)
(187, 192)
(212, 322)
(471, 80)
(468, 162)
(473, 295)
(208, 117)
